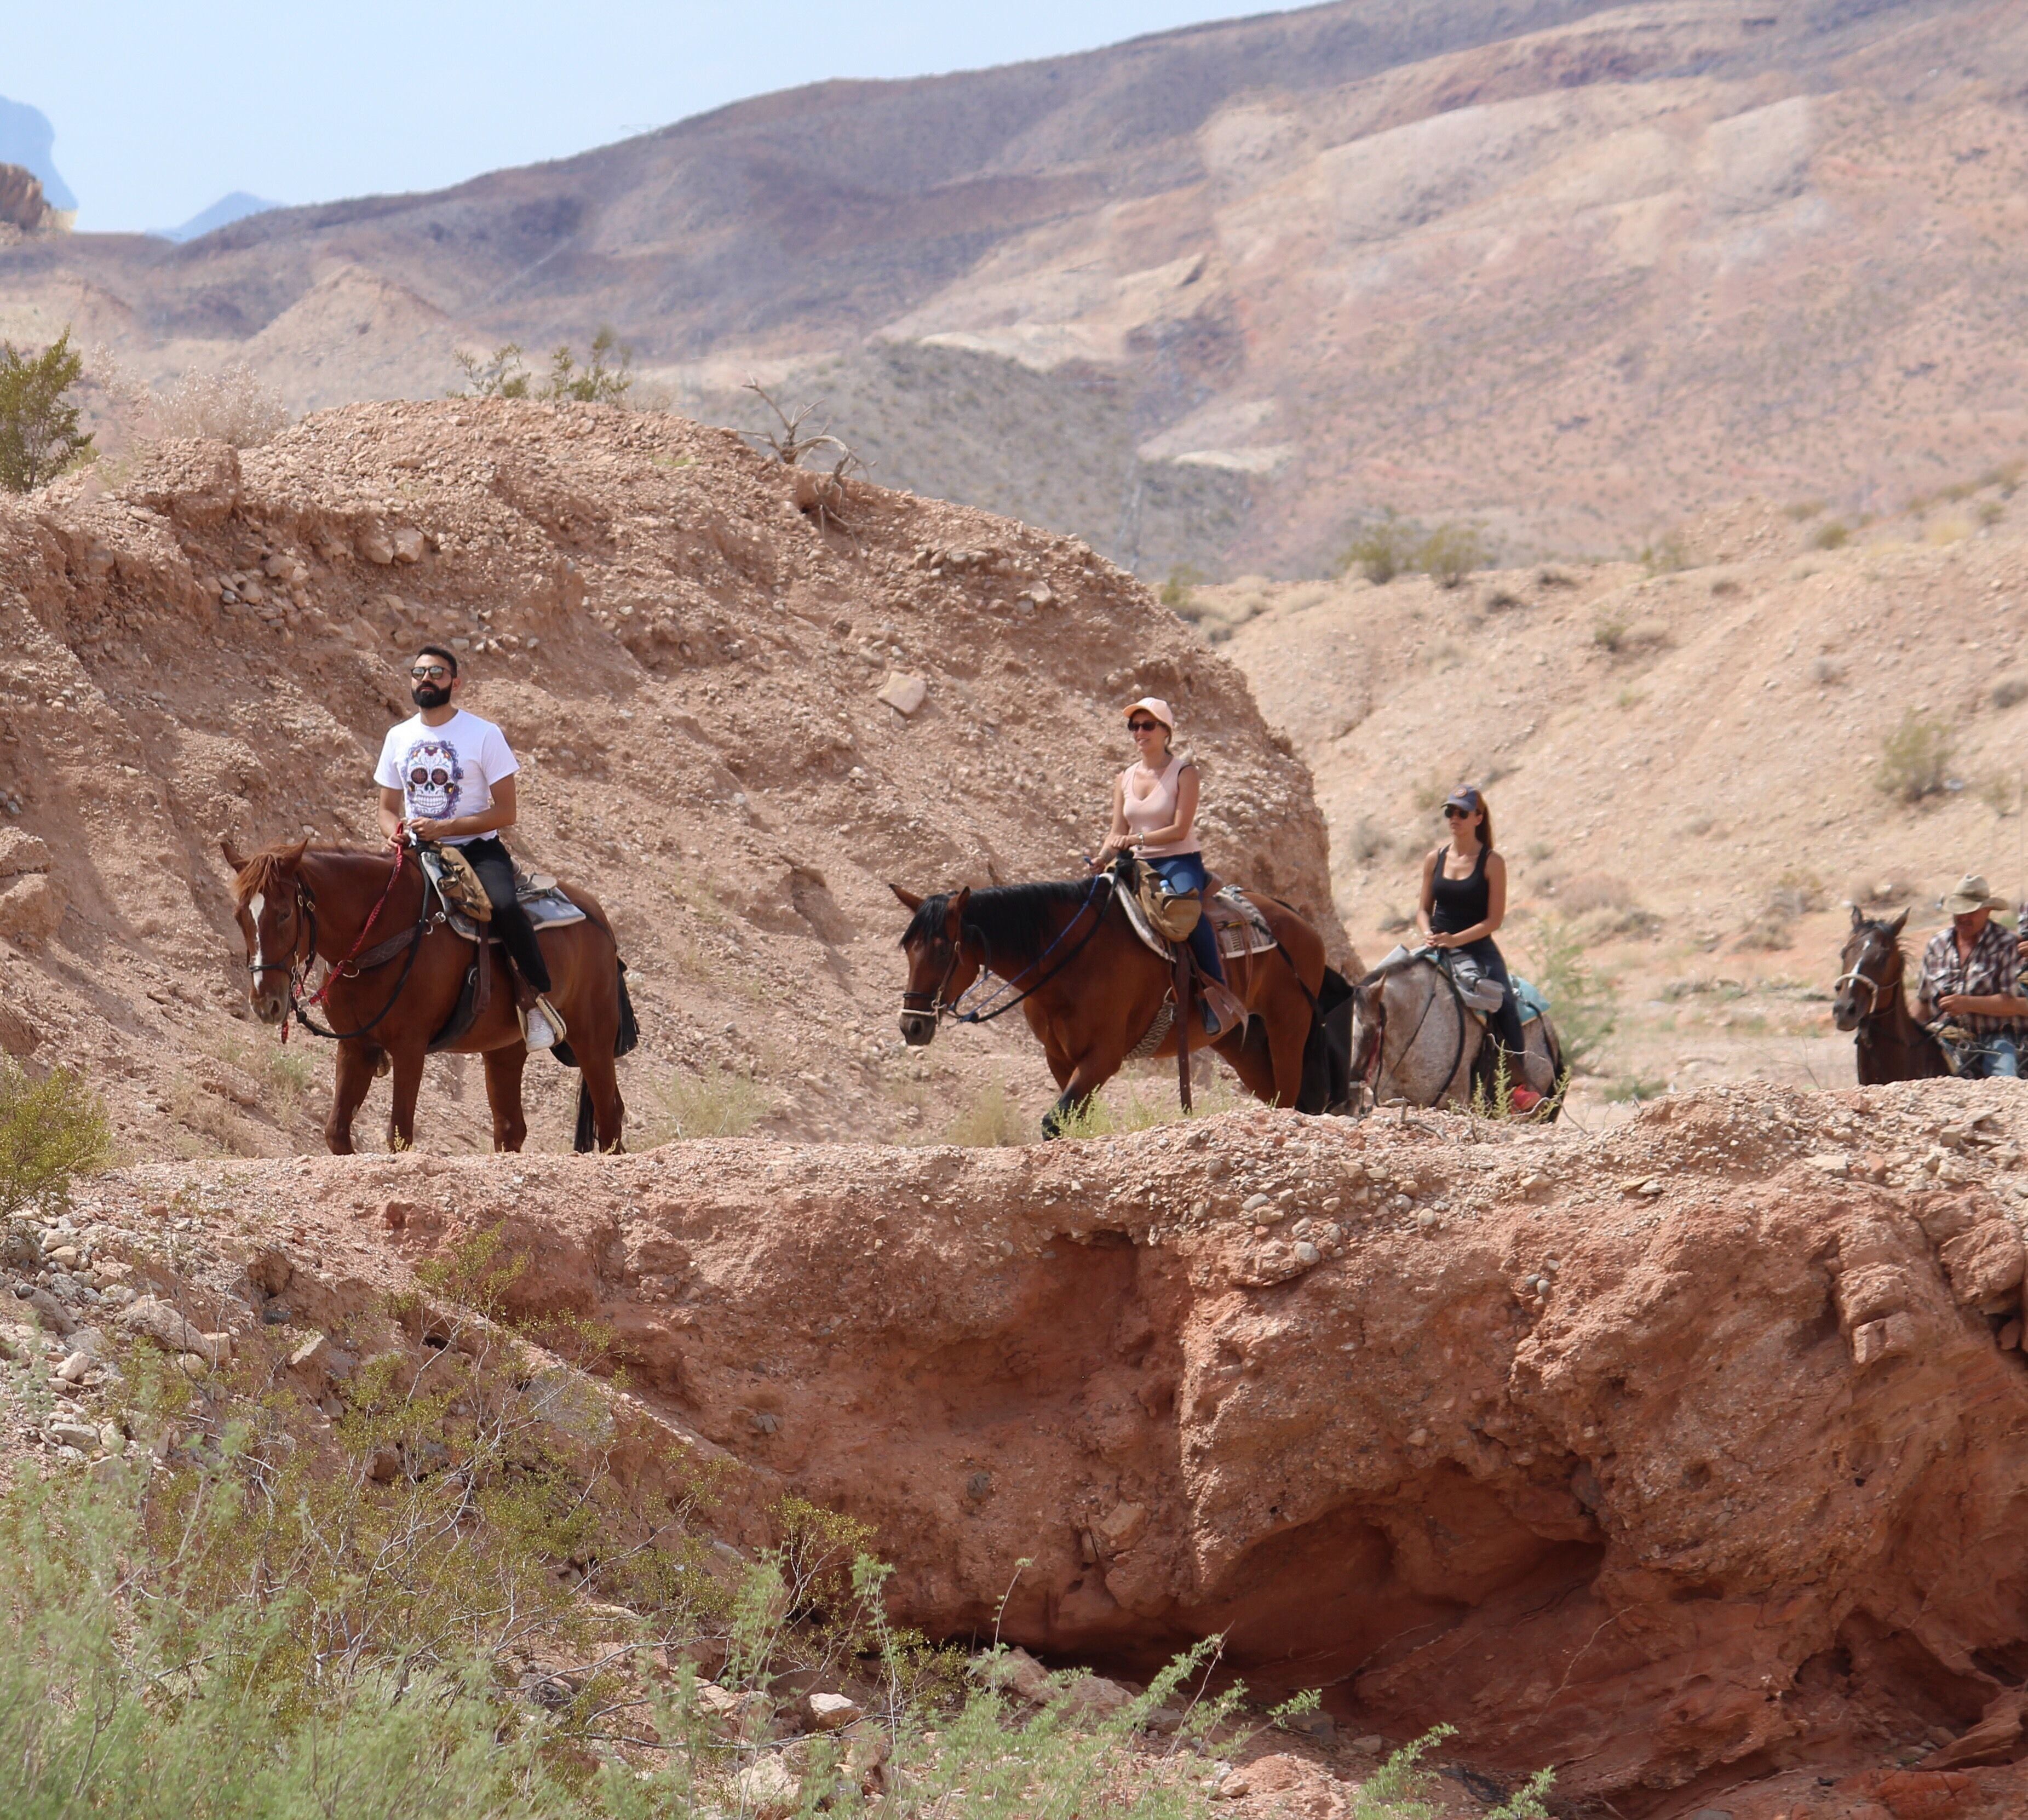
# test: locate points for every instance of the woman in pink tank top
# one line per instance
(1155, 812)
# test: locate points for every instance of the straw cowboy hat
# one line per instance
(1973, 894)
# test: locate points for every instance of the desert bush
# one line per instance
(1724, 585)
(605, 378)
(39, 433)
(714, 1104)
(1368, 841)
(1826, 671)
(1832, 536)
(229, 405)
(1127, 1105)
(1554, 577)
(1383, 549)
(1450, 553)
(1178, 592)
(1667, 554)
(1805, 509)
(51, 1132)
(1608, 632)
(1915, 758)
(1991, 511)
(990, 1117)
(1581, 998)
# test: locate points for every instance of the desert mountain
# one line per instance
(688, 664)
(1576, 271)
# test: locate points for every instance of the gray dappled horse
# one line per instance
(1411, 1038)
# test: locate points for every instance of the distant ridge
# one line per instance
(226, 210)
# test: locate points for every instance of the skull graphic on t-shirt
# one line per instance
(431, 775)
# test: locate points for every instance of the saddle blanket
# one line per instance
(1241, 929)
(537, 892)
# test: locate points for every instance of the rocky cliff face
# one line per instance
(1686, 1459)
(686, 646)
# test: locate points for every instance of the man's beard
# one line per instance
(428, 695)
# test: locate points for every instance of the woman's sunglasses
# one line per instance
(1142, 726)
(1453, 813)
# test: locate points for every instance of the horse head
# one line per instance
(1368, 1032)
(941, 967)
(1869, 969)
(268, 898)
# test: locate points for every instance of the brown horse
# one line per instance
(1091, 991)
(1869, 998)
(397, 974)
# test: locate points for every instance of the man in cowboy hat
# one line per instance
(1969, 978)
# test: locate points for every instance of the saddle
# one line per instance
(466, 907)
(1163, 921)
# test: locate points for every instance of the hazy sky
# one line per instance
(160, 107)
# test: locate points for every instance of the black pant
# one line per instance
(495, 867)
(1506, 1022)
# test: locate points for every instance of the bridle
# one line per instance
(355, 962)
(1369, 1075)
(1857, 974)
(937, 1004)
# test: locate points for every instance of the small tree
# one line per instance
(39, 433)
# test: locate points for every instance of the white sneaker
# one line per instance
(537, 1031)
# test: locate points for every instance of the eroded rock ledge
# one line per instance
(1687, 1459)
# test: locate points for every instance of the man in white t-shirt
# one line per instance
(449, 777)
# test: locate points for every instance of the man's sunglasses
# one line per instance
(1142, 726)
(429, 672)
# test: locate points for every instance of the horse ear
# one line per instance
(910, 902)
(1858, 918)
(1898, 925)
(233, 856)
(954, 922)
(295, 854)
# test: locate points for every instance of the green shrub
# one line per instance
(1382, 550)
(500, 375)
(51, 1131)
(1178, 592)
(1580, 999)
(606, 379)
(39, 433)
(1915, 760)
(1450, 553)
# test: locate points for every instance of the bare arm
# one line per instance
(394, 805)
(488, 821)
(1427, 902)
(1116, 835)
(1187, 813)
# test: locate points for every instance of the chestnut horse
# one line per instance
(397, 972)
(1869, 998)
(1090, 990)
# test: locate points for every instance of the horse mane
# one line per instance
(268, 872)
(1013, 918)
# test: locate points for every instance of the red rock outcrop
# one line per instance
(1688, 1460)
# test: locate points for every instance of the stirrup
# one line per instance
(543, 1024)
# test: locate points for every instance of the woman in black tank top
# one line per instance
(1463, 911)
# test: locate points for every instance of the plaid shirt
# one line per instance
(1992, 967)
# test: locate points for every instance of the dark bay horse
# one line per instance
(298, 904)
(1090, 990)
(1869, 999)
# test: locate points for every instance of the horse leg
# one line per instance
(503, 1094)
(1248, 1054)
(408, 1083)
(1088, 1074)
(601, 1078)
(352, 1080)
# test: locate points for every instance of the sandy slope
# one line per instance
(1699, 800)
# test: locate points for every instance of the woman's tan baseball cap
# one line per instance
(1153, 704)
(1973, 894)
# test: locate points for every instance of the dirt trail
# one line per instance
(686, 653)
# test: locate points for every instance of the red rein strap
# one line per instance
(358, 947)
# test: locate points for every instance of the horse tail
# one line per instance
(587, 1121)
(1327, 1052)
(628, 1037)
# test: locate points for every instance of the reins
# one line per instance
(944, 1009)
(351, 965)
